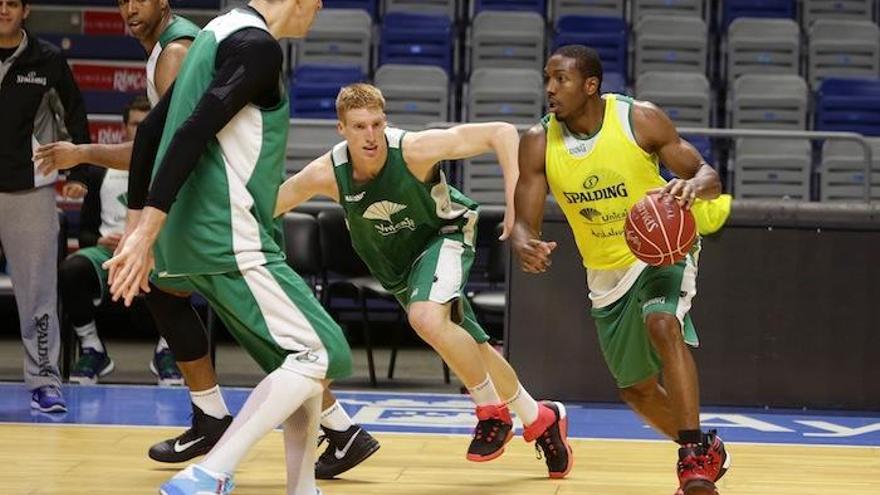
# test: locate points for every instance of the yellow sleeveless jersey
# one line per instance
(596, 179)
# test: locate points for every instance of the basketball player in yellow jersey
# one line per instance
(599, 155)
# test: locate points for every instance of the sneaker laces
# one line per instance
(487, 430)
(544, 446)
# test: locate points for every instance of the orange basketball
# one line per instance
(659, 231)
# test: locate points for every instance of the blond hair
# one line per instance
(359, 95)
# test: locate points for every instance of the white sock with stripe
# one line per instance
(210, 402)
(88, 336)
(523, 405)
(335, 418)
(273, 400)
(485, 394)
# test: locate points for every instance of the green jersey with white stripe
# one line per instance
(222, 220)
(393, 217)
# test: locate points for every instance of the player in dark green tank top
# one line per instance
(416, 234)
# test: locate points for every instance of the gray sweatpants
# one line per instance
(29, 238)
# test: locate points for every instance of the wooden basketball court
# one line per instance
(44, 459)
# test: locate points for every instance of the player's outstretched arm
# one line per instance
(316, 179)
(531, 192)
(422, 151)
(656, 133)
(63, 155)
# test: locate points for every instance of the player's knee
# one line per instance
(425, 321)
(664, 331)
(635, 394)
(71, 270)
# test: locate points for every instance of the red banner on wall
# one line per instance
(123, 78)
(101, 22)
(107, 132)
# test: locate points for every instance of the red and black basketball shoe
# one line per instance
(700, 466)
(550, 433)
(493, 431)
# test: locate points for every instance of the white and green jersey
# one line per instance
(394, 217)
(178, 28)
(222, 220)
(114, 207)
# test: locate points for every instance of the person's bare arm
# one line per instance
(316, 179)
(63, 155)
(531, 193)
(423, 150)
(169, 64)
(656, 133)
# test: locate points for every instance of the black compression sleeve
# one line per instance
(143, 152)
(248, 66)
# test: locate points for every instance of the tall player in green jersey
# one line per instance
(416, 235)
(166, 38)
(214, 146)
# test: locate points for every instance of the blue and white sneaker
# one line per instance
(165, 368)
(48, 399)
(196, 480)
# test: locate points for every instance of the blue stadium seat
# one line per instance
(178, 4)
(368, 5)
(313, 89)
(110, 102)
(613, 82)
(849, 105)
(96, 47)
(539, 6)
(756, 8)
(703, 145)
(607, 35)
(417, 39)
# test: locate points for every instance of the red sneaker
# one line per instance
(696, 475)
(493, 431)
(718, 459)
(550, 432)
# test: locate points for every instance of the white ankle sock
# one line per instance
(523, 405)
(485, 394)
(273, 400)
(210, 402)
(88, 336)
(335, 418)
(161, 345)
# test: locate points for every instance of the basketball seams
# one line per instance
(675, 253)
(645, 238)
(662, 224)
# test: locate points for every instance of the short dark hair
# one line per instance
(24, 2)
(139, 103)
(587, 60)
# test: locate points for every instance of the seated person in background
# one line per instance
(84, 282)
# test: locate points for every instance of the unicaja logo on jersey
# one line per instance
(382, 211)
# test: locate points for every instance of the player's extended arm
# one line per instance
(316, 179)
(422, 151)
(656, 133)
(531, 193)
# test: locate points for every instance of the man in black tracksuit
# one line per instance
(39, 103)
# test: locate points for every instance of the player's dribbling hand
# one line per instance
(130, 267)
(60, 155)
(682, 190)
(534, 255)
